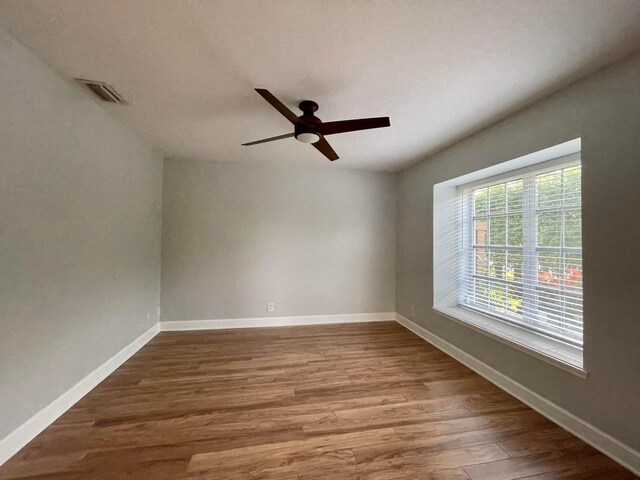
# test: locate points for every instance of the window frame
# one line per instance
(446, 241)
(530, 248)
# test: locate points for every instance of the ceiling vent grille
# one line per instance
(103, 91)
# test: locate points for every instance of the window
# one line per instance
(521, 249)
(507, 253)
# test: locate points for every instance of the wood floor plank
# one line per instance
(535, 464)
(364, 401)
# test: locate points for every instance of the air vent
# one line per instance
(103, 91)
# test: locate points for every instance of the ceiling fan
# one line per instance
(310, 129)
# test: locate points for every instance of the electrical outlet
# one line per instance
(412, 312)
(271, 307)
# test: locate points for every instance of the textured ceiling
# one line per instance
(440, 69)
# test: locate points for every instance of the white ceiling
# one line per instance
(440, 69)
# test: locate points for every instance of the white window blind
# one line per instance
(522, 250)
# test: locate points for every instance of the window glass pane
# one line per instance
(514, 196)
(514, 230)
(481, 292)
(573, 271)
(497, 198)
(572, 185)
(549, 189)
(497, 296)
(526, 251)
(514, 265)
(550, 269)
(481, 262)
(549, 229)
(572, 315)
(480, 201)
(550, 308)
(497, 230)
(514, 300)
(480, 231)
(573, 228)
(497, 263)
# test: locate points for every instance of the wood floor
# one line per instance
(355, 401)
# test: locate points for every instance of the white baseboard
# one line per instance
(275, 321)
(12, 443)
(614, 449)
(21, 436)
(608, 445)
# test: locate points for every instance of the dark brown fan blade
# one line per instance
(323, 147)
(278, 105)
(271, 139)
(343, 126)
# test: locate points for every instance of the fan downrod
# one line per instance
(309, 107)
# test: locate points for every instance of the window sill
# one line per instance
(557, 353)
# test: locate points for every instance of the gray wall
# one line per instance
(80, 202)
(605, 111)
(313, 241)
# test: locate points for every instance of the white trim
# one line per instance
(555, 352)
(605, 443)
(557, 151)
(566, 161)
(217, 324)
(21, 436)
(12, 443)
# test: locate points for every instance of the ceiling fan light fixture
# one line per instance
(308, 137)
(308, 128)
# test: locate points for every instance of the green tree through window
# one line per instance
(526, 256)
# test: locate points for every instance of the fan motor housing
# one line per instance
(308, 123)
